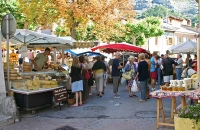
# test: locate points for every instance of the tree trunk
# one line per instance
(73, 32)
(26, 25)
(134, 40)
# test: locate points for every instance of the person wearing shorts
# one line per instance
(153, 70)
(167, 69)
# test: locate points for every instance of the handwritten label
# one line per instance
(60, 94)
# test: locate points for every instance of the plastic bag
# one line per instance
(123, 81)
(134, 87)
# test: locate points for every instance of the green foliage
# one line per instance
(191, 112)
(159, 11)
(86, 34)
(10, 6)
(150, 27)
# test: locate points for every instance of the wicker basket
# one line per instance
(71, 101)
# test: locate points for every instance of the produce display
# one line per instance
(13, 57)
(33, 82)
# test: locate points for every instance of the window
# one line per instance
(170, 41)
(180, 40)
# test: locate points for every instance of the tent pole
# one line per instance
(198, 48)
(7, 57)
(62, 56)
(54, 55)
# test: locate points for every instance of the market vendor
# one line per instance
(41, 60)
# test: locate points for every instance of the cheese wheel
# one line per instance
(26, 70)
(35, 83)
(19, 78)
(13, 75)
(27, 77)
(26, 67)
(47, 82)
(13, 78)
(26, 64)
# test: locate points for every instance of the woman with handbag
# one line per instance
(130, 68)
(98, 70)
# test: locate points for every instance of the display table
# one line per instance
(160, 94)
(32, 100)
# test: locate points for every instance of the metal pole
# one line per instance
(7, 48)
(54, 55)
(62, 56)
(198, 47)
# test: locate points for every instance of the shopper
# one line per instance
(142, 76)
(99, 68)
(77, 80)
(153, 70)
(148, 80)
(106, 73)
(130, 67)
(116, 67)
(179, 66)
(167, 70)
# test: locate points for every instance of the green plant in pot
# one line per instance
(188, 118)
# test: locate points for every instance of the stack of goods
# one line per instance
(11, 65)
(27, 67)
(172, 88)
(13, 75)
(49, 83)
(13, 58)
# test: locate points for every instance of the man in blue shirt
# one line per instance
(116, 74)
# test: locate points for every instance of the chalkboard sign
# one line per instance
(60, 94)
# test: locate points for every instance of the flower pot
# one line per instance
(186, 124)
(71, 101)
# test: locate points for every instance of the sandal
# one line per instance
(142, 100)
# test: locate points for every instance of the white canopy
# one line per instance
(186, 47)
(36, 38)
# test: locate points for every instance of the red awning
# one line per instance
(122, 47)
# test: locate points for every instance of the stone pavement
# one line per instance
(98, 113)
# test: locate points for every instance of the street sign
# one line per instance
(8, 26)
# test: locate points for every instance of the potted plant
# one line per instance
(188, 118)
(71, 98)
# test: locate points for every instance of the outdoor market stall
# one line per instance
(174, 92)
(34, 90)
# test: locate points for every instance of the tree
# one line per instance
(10, 6)
(138, 33)
(76, 14)
(159, 11)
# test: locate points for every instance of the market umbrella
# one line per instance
(186, 47)
(122, 47)
(36, 38)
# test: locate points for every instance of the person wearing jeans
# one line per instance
(142, 76)
(179, 66)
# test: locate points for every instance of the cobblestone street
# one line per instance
(106, 113)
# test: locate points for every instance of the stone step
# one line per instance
(6, 120)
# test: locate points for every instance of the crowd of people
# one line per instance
(84, 73)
